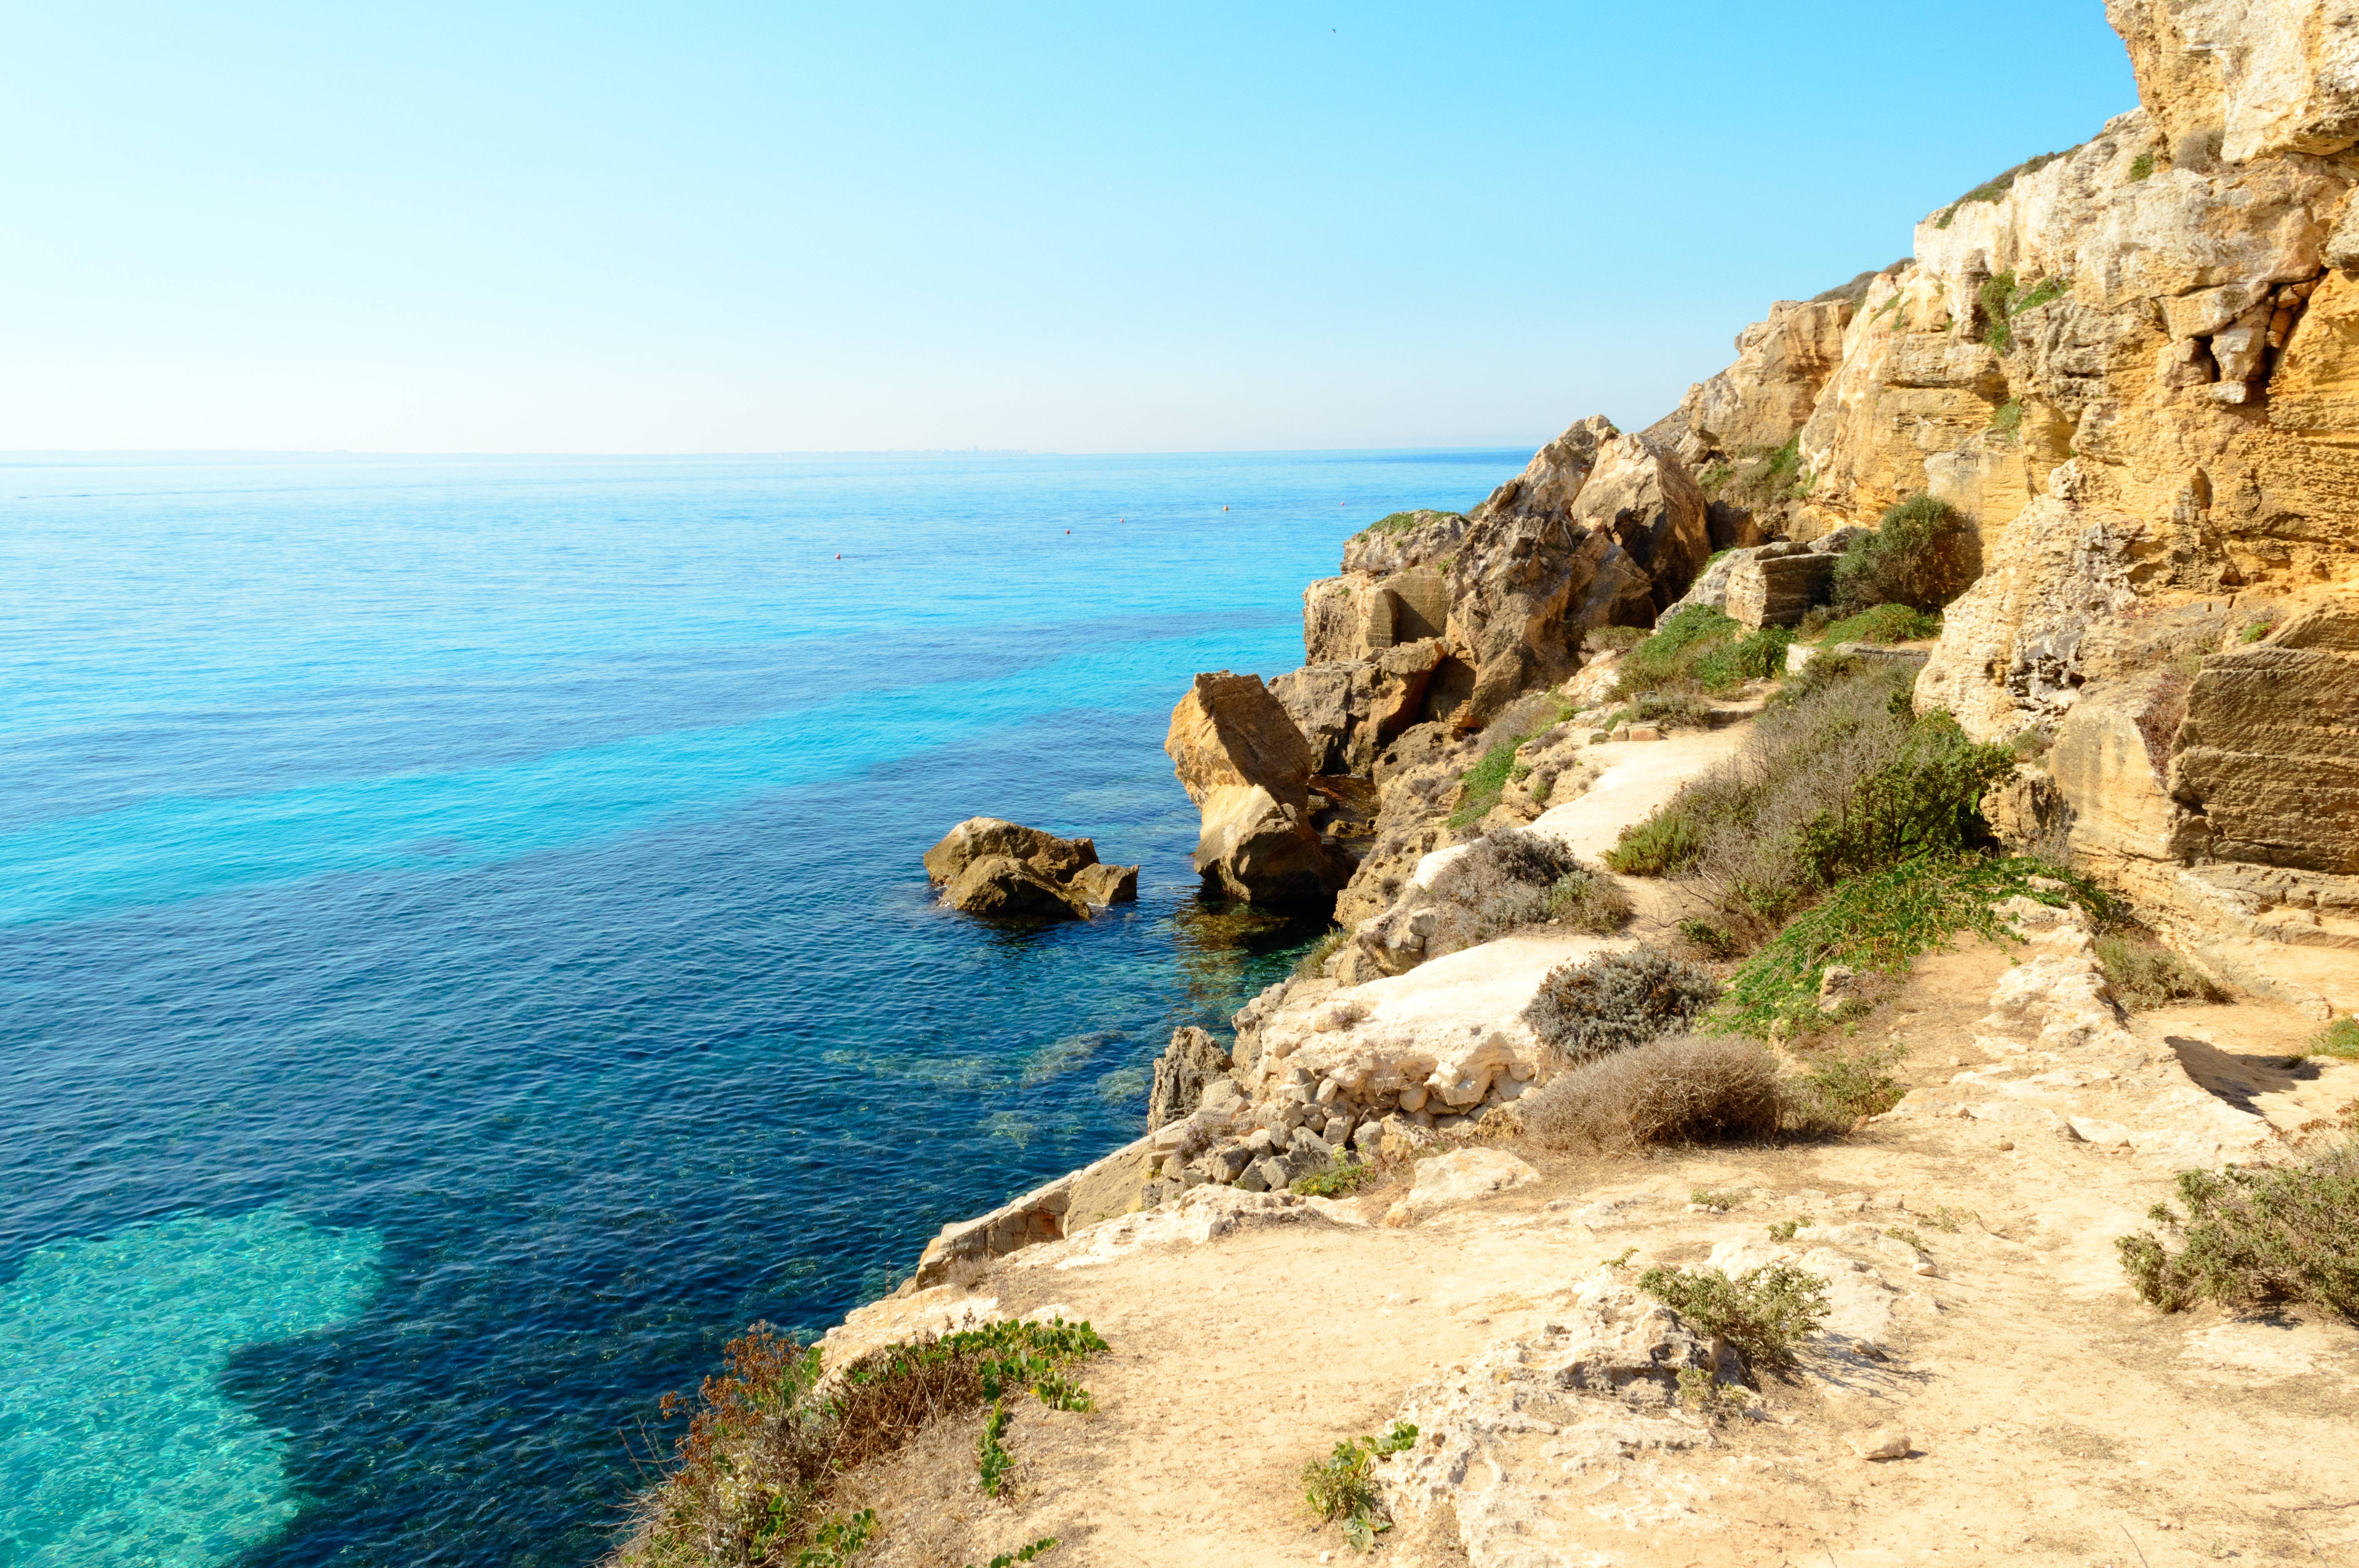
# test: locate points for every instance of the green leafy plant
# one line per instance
(1838, 1093)
(1764, 1313)
(835, 1542)
(1039, 1548)
(1945, 1218)
(1313, 961)
(1785, 1228)
(992, 1460)
(1342, 1486)
(2254, 631)
(2142, 168)
(1718, 1203)
(1903, 1233)
(2253, 1237)
(1337, 1178)
(1879, 921)
(1667, 843)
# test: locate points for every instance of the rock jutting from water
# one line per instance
(990, 867)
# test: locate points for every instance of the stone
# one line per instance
(1004, 887)
(2268, 78)
(1102, 885)
(1653, 509)
(1882, 1443)
(1247, 767)
(1270, 1173)
(1190, 1061)
(1838, 984)
(1463, 1176)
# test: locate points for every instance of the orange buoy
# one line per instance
(1224, 508)
(838, 555)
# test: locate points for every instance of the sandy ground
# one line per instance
(2052, 1417)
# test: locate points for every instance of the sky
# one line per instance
(693, 227)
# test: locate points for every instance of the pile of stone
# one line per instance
(990, 867)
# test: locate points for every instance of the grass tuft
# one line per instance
(1340, 1177)
(1402, 522)
(1885, 625)
(1314, 959)
(2145, 976)
(2339, 1040)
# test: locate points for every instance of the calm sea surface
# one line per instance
(464, 953)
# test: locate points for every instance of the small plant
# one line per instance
(1923, 553)
(1708, 938)
(1664, 845)
(1041, 1547)
(1945, 1218)
(2006, 422)
(1764, 1313)
(1622, 1260)
(1616, 1001)
(1886, 623)
(1402, 522)
(1342, 1486)
(2254, 1237)
(1848, 1089)
(1902, 1233)
(2339, 1039)
(834, 1543)
(1784, 1229)
(1337, 1178)
(1718, 1203)
(1707, 1396)
(2255, 632)
(2142, 169)
(2145, 976)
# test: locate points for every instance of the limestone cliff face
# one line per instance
(2135, 365)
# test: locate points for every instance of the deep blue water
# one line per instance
(464, 953)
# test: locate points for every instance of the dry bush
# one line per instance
(1511, 879)
(2256, 1238)
(1685, 1090)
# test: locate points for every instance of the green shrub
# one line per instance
(1479, 786)
(1718, 1203)
(1708, 938)
(1039, 1548)
(1785, 1228)
(1760, 656)
(1764, 1313)
(2254, 631)
(2007, 423)
(2339, 1039)
(1879, 923)
(1683, 1089)
(2256, 1238)
(1761, 476)
(765, 1444)
(1927, 800)
(1343, 1484)
(1923, 553)
(1885, 625)
(2141, 167)
(1616, 1000)
(1512, 879)
(1667, 843)
(1677, 641)
(2145, 976)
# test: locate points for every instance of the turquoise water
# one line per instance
(463, 955)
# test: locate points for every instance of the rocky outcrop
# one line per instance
(1193, 1060)
(990, 867)
(2241, 81)
(1777, 585)
(1248, 769)
(1762, 401)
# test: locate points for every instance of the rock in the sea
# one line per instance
(991, 866)
(1248, 769)
(1007, 888)
(1192, 1060)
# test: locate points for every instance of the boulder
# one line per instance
(1418, 539)
(1102, 884)
(1759, 402)
(1356, 615)
(1653, 509)
(1247, 767)
(1553, 479)
(1004, 887)
(1192, 1060)
(1054, 857)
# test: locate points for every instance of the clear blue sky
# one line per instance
(704, 227)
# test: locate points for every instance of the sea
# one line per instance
(464, 956)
